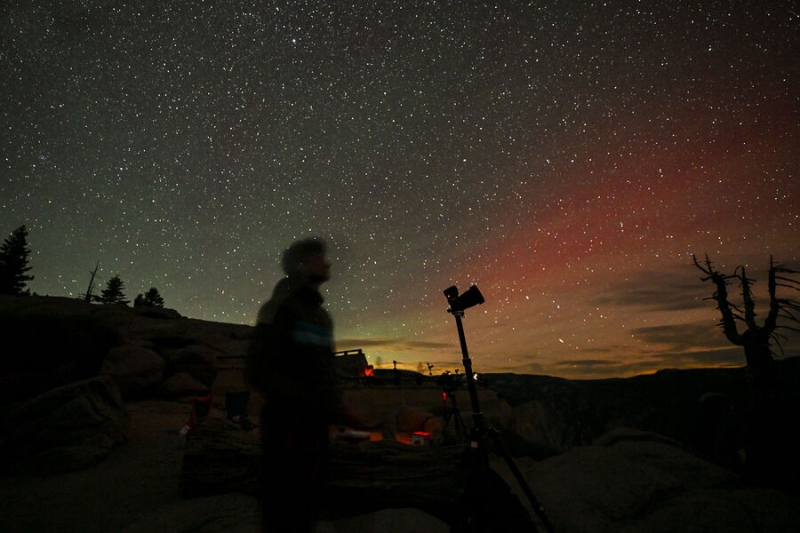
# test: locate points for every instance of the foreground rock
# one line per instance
(66, 428)
(219, 457)
(633, 482)
(240, 513)
(627, 481)
(630, 481)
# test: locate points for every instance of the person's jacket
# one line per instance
(291, 361)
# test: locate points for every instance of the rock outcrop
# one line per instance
(705, 409)
(141, 348)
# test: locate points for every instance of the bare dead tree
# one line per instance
(90, 289)
(768, 414)
(756, 340)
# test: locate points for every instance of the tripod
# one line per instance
(451, 410)
(479, 462)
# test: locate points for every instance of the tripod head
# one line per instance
(458, 304)
(448, 382)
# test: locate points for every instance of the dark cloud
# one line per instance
(678, 290)
(607, 368)
(723, 356)
(398, 345)
(671, 299)
(682, 337)
(593, 363)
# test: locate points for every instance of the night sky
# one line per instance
(566, 157)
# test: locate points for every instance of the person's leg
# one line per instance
(290, 481)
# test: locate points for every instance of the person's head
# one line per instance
(306, 259)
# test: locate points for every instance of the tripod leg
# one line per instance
(484, 475)
(488, 505)
(460, 427)
(537, 507)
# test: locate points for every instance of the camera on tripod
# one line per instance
(470, 297)
(448, 382)
(482, 476)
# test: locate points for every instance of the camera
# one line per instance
(470, 297)
(448, 382)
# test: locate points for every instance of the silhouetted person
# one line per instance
(291, 363)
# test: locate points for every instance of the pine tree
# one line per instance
(153, 298)
(14, 257)
(114, 293)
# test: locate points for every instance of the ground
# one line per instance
(136, 490)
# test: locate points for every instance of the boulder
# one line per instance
(196, 360)
(65, 428)
(136, 369)
(181, 385)
(633, 481)
(411, 418)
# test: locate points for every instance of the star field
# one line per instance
(566, 158)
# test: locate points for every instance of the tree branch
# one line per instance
(774, 303)
(749, 302)
(728, 321)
